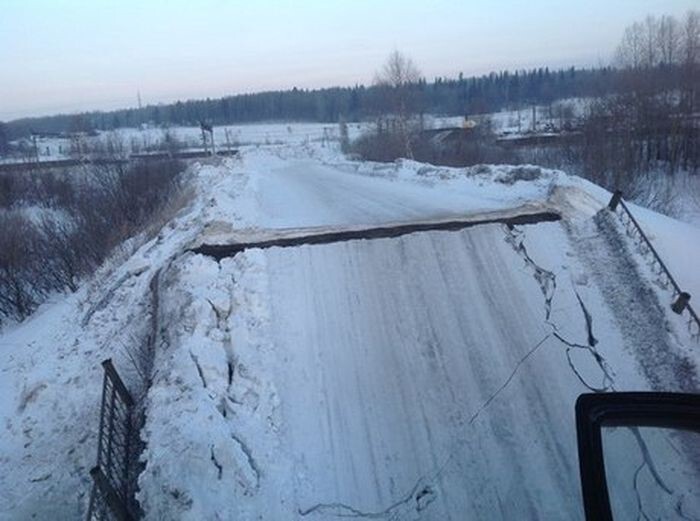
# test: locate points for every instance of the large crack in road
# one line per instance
(221, 251)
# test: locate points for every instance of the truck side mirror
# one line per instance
(636, 410)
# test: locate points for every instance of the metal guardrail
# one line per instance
(112, 495)
(634, 231)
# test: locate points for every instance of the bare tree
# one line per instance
(630, 50)
(691, 37)
(115, 148)
(398, 72)
(171, 144)
(21, 284)
(690, 55)
(650, 56)
(640, 46)
(669, 39)
(398, 77)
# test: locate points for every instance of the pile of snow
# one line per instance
(51, 375)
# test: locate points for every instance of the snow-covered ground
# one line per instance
(542, 119)
(431, 376)
(147, 138)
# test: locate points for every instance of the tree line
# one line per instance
(446, 96)
(653, 122)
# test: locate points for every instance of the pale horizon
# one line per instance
(65, 57)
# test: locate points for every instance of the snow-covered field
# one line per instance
(253, 134)
(544, 118)
(504, 123)
(431, 376)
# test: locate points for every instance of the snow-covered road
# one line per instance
(401, 344)
(307, 193)
(431, 376)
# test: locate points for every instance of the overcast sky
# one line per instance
(72, 55)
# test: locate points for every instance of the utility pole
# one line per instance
(138, 97)
(36, 147)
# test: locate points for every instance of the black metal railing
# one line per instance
(112, 496)
(681, 299)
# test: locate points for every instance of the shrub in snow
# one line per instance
(519, 173)
(64, 225)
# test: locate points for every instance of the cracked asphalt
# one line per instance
(448, 360)
(426, 359)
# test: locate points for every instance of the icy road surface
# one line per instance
(308, 193)
(431, 376)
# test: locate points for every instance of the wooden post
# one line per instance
(617, 196)
(681, 302)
